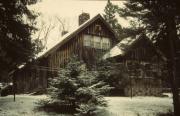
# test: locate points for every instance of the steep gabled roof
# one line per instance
(121, 48)
(70, 35)
(125, 45)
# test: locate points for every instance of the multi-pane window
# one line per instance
(96, 42)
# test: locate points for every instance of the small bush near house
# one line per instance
(115, 75)
(76, 90)
(7, 90)
(39, 91)
(169, 113)
(165, 114)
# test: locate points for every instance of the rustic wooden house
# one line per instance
(89, 42)
(144, 63)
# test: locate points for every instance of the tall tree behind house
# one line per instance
(161, 20)
(110, 17)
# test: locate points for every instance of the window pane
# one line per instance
(92, 42)
(105, 43)
(87, 40)
(97, 42)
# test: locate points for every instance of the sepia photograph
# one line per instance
(89, 57)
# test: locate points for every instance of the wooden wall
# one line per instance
(144, 87)
(145, 68)
(31, 79)
(35, 76)
(75, 47)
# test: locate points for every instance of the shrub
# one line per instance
(78, 88)
(7, 90)
(115, 74)
(169, 113)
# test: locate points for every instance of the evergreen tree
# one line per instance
(109, 15)
(160, 20)
(78, 88)
(16, 44)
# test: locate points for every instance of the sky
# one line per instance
(68, 11)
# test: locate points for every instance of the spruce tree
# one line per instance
(78, 88)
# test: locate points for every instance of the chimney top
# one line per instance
(83, 17)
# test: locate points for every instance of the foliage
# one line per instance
(114, 74)
(153, 17)
(110, 17)
(7, 90)
(16, 26)
(160, 20)
(78, 88)
(169, 113)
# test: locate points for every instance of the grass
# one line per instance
(25, 105)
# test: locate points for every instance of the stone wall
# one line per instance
(143, 87)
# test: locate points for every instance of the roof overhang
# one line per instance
(72, 34)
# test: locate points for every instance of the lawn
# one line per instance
(138, 106)
(117, 106)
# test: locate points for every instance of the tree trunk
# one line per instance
(172, 36)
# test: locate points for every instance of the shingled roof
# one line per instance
(127, 44)
(121, 48)
(73, 33)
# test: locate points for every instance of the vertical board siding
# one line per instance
(75, 46)
(34, 78)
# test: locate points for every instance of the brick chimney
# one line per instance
(83, 18)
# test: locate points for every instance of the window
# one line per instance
(97, 42)
(87, 40)
(105, 43)
(98, 29)
(92, 41)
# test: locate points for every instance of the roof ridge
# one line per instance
(69, 35)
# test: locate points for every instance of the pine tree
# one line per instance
(110, 17)
(78, 88)
(160, 19)
(16, 43)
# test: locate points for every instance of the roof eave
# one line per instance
(78, 31)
